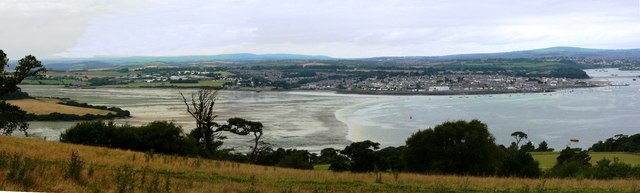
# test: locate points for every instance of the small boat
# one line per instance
(258, 91)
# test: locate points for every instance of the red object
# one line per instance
(574, 140)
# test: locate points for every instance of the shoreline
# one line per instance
(451, 93)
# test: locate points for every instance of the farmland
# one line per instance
(44, 106)
(108, 170)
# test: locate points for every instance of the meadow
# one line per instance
(37, 165)
(45, 106)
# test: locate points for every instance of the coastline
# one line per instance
(451, 93)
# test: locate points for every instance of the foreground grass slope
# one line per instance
(41, 166)
(44, 106)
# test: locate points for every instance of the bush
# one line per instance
(74, 167)
(453, 148)
(571, 163)
(158, 136)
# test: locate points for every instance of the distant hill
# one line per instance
(104, 62)
(536, 53)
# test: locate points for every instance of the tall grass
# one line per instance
(36, 165)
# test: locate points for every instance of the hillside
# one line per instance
(106, 62)
(535, 53)
(36, 165)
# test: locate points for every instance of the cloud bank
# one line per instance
(338, 28)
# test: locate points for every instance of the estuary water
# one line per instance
(315, 120)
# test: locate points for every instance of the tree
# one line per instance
(12, 117)
(207, 132)
(619, 143)
(572, 162)
(518, 163)
(243, 127)
(543, 147)
(362, 155)
(297, 159)
(519, 135)
(453, 148)
(528, 147)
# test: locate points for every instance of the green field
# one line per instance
(548, 159)
(208, 83)
(224, 73)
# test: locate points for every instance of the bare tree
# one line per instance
(207, 131)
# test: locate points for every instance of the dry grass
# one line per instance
(44, 106)
(198, 175)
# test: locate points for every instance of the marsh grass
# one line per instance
(37, 165)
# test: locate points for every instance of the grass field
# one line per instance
(224, 73)
(209, 83)
(37, 165)
(42, 106)
(548, 159)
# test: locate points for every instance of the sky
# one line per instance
(338, 28)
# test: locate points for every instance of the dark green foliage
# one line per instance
(571, 163)
(159, 136)
(362, 155)
(519, 135)
(543, 147)
(20, 170)
(519, 163)
(11, 117)
(241, 126)
(528, 147)
(618, 143)
(338, 162)
(453, 148)
(28, 66)
(290, 158)
(606, 169)
(298, 159)
(390, 159)
(74, 167)
(125, 180)
(327, 155)
(15, 95)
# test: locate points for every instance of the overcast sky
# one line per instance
(338, 28)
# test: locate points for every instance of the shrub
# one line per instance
(74, 167)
